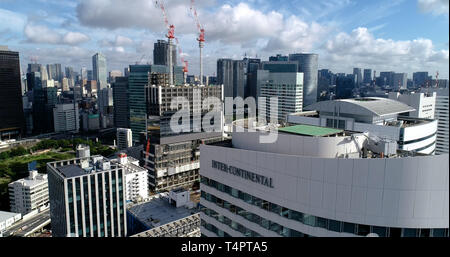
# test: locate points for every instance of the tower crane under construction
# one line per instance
(200, 39)
(170, 36)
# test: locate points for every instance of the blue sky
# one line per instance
(398, 35)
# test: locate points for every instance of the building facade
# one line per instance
(87, 198)
(99, 69)
(424, 103)
(12, 119)
(442, 115)
(120, 102)
(66, 118)
(124, 138)
(173, 157)
(382, 117)
(288, 87)
(29, 194)
(297, 187)
(308, 65)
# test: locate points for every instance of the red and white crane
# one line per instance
(200, 39)
(170, 36)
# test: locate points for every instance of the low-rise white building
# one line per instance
(424, 103)
(136, 184)
(28, 194)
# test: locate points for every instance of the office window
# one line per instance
(309, 220)
(321, 222)
(349, 228)
(285, 212)
(424, 232)
(275, 208)
(295, 215)
(363, 230)
(395, 232)
(265, 223)
(265, 205)
(410, 232)
(341, 124)
(380, 231)
(439, 232)
(334, 225)
(248, 198)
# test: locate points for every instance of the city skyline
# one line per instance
(402, 36)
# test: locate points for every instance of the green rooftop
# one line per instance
(309, 130)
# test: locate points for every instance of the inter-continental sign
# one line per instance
(260, 179)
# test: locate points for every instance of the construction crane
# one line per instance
(183, 62)
(170, 36)
(200, 39)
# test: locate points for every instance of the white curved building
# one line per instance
(314, 181)
(383, 117)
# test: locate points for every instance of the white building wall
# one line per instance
(409, 192)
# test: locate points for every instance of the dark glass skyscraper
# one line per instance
(12, 120)
(308, 64)
(121, 107)
(225, 76)
(161, 54)
(345, 86)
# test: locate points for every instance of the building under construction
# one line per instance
(172, 157)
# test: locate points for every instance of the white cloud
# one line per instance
(74, 38)
(436, 7)
(44, 35)
(361, 48)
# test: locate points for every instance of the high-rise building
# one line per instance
(287, 86)
(315, 181)
(308, 65)
(161, 53)
(442, 115)
(33, 67)
(44, 100)
(70, 74)
(124, 138)
(420, 78)
(12, 120)
(386, 78)
(423, 103)
(358, 76)
(29, 194)
(345, 86)
(173, 158)
(66, 118)
(367, 76)
(120, 102)
(253, 66)
(87, 198)
(399, 81)
(239, 78)
(225, 76)
(137, 83)
(100, 73)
